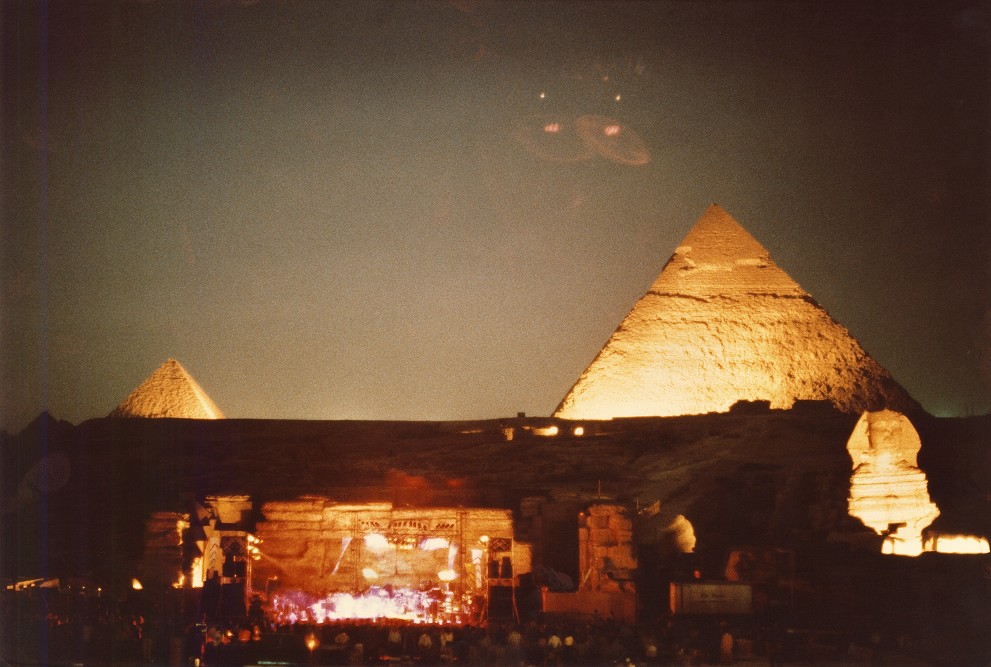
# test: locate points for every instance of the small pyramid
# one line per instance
(169, 392)
(723, 323)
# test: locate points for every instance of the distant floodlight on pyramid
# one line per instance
(722, 323)
(169, 392)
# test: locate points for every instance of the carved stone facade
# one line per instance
(318, 545)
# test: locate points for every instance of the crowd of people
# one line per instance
(64, 629)
(52, 627)
(59, 629)
(550, 642)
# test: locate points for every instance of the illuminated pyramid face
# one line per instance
(169, 392)
(723, 323)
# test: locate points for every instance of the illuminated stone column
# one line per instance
(888, 492)
(605, 549)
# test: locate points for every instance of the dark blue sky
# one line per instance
(352, 210)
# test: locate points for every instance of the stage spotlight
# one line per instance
(376, 542)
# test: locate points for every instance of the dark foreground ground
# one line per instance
(135, 640)
(75, 498)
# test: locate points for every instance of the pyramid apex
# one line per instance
(718, 216)
(719, 257)
(169, 392)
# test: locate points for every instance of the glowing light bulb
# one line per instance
(432, 543)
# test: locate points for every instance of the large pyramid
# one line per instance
(169, 392)
(722, 323)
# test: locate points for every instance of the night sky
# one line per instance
(363, 210)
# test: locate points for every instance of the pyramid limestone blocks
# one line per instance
(169, 392)
(722, 323)
(888, 492)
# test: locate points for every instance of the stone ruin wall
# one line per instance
(605, 549)
(162, 563)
